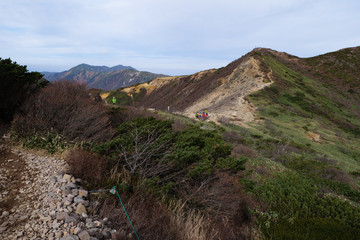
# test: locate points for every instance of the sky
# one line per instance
(174, 37)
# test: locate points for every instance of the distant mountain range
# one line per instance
(103, 77)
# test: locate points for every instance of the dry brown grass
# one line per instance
(151, 219)
(227, 206)
(245, 151)
(191, 223)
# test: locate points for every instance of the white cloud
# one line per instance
(176, 36)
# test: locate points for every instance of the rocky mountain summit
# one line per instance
(40, 201)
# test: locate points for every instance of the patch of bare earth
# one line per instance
(12, 170)
(15, 177)
(313, 136)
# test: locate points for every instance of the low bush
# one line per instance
(191, 165)
(241, 150)
(86, 165)
(51, 142)
(150, 218)
(122, 99)
(292, 197)
(233, 137)
(221, 196)
(311, 229)
(66, 109)
(139, 147)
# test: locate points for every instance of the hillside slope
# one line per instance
(103, 77)
(303, 150)
(312, 100)
(283, 162)
(223, 91)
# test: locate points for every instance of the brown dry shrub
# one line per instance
(245, 151)
(338, 175)
(132, 112)
(65, 108)
(225, 212)
(150, 218)
(232, 137)
(86, 165)
(223, 197)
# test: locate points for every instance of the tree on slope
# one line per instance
(16, 83)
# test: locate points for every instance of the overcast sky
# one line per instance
(173, 37)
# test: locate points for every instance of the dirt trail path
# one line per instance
(38, 200)
(14, 174)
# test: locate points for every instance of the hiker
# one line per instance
(114, 100)
(203, 115)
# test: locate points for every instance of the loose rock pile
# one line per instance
(49, 204)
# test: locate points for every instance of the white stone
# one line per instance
(5, 213)
(83, 193)
(84, 235)
(80, 209)
(67, 177)
(58, 234)
(77, 230)
(97, 223)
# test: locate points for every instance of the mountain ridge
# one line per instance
(183, 92)
(103, 77)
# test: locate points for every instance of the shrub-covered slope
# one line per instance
(303, 149)
(307, 172)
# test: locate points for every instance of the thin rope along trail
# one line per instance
(113, 191)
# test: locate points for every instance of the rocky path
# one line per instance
(38, 200)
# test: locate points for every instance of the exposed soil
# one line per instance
(12, 168)
(227, 102)
(313, 136)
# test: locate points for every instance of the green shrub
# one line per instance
(311, 229)
(121, 98)
(233, 164)
(194, 145)
(294, 197)
(51, 142)
(148, 148)
(139, 147)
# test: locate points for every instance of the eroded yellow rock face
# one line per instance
(228, 100)
(150, 86)
(104, 95)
